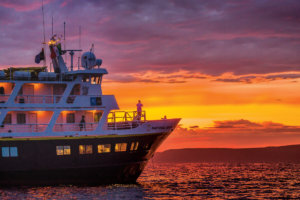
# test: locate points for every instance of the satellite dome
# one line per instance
(99, 62)
(88, 60)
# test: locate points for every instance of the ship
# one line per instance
(56, 126)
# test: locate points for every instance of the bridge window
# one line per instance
(104, 148)
(96, 79)
(134, 146)
(85, 149)
(9, 151)
(63, 150)
(120, 147)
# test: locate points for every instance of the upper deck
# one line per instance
(66, 102)
(40, 74)
(34, 87)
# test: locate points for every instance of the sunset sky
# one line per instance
(229, 69)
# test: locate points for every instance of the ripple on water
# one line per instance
(185, 181)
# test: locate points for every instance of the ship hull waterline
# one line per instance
(37, 162)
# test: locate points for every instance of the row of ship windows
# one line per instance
(102, 148)
(83, 149)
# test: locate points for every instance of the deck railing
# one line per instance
(4, 98)
(118, 120)
(75, 127)
(41, 99)
(26, 128)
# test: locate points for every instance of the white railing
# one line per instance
(4, 98)
(118, 120)
(71, 98)
(122, 125)
(42, 99)
(26, 128)
(75, 127)
(125, 116)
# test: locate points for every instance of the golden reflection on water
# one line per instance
(184, 181)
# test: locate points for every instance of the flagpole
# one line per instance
(65, 41)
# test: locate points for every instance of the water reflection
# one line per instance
(185, 181)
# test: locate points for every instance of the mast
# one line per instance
(79, 47)
(52, 26)
(44, 33)
(65, 40)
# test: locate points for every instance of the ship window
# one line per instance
(9, 151)
(120, 147)
(97, 116)
(63, 150)
(96, 80)
(70, 118)
(7, 119)
(134, 146)
(104, 148)
(21, 118)
(85, 149)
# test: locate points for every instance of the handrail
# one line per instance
(45, 99)
(32, 128)
(61, 127)
(117, 120)
(124, 116)
(16, 128)
(4, 98)
(122, 125)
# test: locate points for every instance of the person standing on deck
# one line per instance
(82, 123)
(139, 106)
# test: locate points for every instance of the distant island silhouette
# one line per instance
(290, 153)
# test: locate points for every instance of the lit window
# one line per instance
(134, 146)
(104, 148)
(9, 151)
(120, 147)
(63, 150)
(85, 149)
(21, 118)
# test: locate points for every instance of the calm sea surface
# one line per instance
(185, 181)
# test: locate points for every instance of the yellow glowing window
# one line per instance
(63, 150)
(85, 149)
(120, 147)
(104, 148)
(134, 146)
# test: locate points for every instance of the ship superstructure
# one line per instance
(58, 128)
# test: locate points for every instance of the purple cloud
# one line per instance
(210, 37)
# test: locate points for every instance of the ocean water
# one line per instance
(185, 181)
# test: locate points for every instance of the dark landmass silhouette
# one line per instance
(285, 154)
